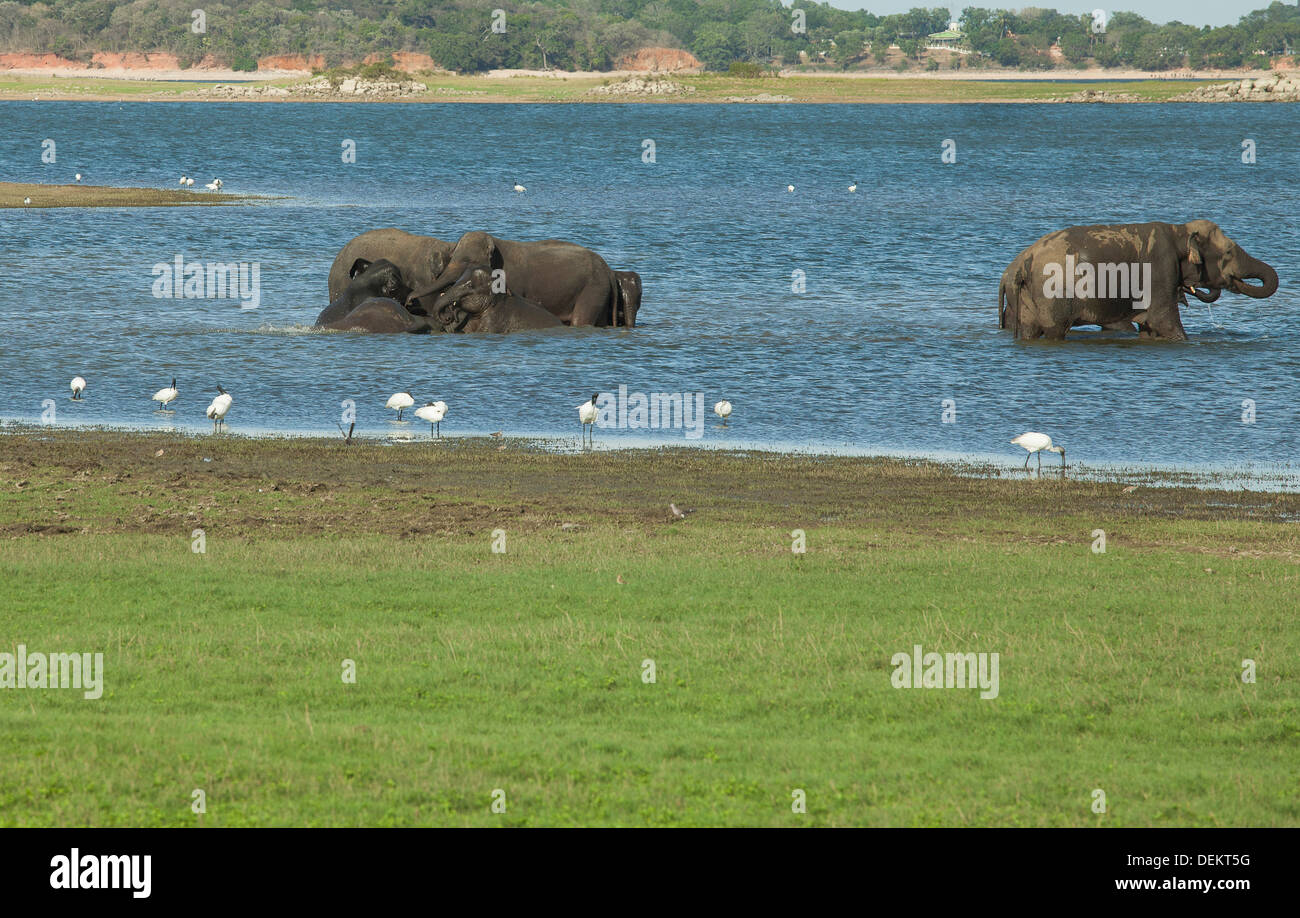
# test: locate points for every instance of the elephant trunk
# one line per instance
(1254, 269)
(1213, 294)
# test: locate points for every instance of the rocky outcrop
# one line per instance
(1277, 86)
(1097, 95)
(665, 60)
(641, 86)
(761, 97)
(319, 88)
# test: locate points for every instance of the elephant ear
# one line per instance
(1194, 248)
(358, 266)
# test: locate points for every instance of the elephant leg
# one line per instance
(1057, 331)
(1166, 323)
(592, 307)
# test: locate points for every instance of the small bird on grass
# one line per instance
(1038, 443)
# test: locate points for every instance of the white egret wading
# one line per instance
(1038, 443)
(166, 396)
(587, 414)
(433, 412)
(220, 405)
(78, 386)
(723, 410)
(399, 402)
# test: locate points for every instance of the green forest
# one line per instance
(476, 35)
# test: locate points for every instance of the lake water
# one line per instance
(899, 313)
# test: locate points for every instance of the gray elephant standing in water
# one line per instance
(1155, 264)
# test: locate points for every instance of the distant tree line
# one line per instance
(596, 34)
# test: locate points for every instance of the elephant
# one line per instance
(382, 315)
(471, 305)
(420, 258)
(366, 279)
(1017, 272)
(629, 299)
(571, 282)
(1116, 275)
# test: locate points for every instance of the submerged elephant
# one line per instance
(382, 316)
(366, 280)
(471, 305)
(1116, 275)
(569, 281)
(421, 259)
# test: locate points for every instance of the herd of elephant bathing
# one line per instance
(1123, 276)
(388, 280)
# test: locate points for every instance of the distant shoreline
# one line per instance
(534, 88)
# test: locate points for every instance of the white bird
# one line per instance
(78, 176)
(723, 410)
(519, 189)
(433, 412)
(854, 186)
(184, 179)
(399, 402)
(78, 386)
(789, 188)
(1038, 443)
(27, 200)
(587, 414)
(214, 185)
(189, 181)
(166, 395)
(220, 405)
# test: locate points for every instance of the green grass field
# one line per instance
(522, 671)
